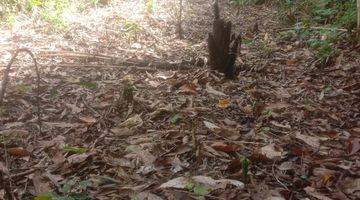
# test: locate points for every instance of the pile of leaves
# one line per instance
(111, 130)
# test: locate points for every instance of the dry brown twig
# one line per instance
(4, 184)
(6, 80)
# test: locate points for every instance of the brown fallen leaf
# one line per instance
(165, 75)
(78, 158)
(257, 157)
(224, 103)
(271, 152)
(247, 109)
(212, 91)
(291, 62)
(3, 168)
(310, 140)
(221, 146)
(62, 124)
(18, 152)
(352, 185)
(41, 186)
(146, 195)
(312, 192)
(234, 166)
(88, 119)
(212, 127)
(189, 88)
(353, 146)
(183, 182)
(14, 133)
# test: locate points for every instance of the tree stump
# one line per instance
(223, 45)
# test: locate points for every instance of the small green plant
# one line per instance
(33, 3)
(52, 11)
(130, 29)
(198, 189)
(322, 49)
(245, 2)
(327, 89)
(245, 164)
(53, 93)
(266, 129)
(265, 50)
(268, 113)
(333, 12)
(240, 2)
(287, 35)
(72, 149)
(150, 6)
(86, 84)
(175, 118)
(71, 190)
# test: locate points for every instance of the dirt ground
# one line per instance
(129, 111)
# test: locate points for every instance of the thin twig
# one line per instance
(6, 80)
(276, 178)
(114, 60)
(313, 28)
(4, 184)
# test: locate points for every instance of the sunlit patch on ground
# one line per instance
(126, 113)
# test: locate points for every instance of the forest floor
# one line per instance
(128, 111)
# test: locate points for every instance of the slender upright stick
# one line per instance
(179, 28)
(358, 20)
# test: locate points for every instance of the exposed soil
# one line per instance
(298, 124)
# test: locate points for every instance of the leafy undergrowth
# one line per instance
(284, 129)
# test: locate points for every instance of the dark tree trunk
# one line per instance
(222, 45)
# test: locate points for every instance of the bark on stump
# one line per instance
(223, 45)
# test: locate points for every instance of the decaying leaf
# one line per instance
(212, 127)
(353, 146)
(212, 91)
(270, 151)
(40, 183)
(189, 88)
(221, 146)
(309, 140)
(88, 119)
(132, 122)
(183, 182)
(224, 103)
(18, 152)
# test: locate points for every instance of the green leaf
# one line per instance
(189, 186)
(86, 84)
(85, 184)
(176, 118)
(80, 196)
(201, 190)
(266, 129)
(71, 149)
(44, 197)
(68, 186)
(245, 163)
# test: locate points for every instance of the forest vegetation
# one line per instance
(179, 99)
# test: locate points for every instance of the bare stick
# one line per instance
(4, 184)
(6, 80)
(358, 20)
(179, 28)
(314, 28)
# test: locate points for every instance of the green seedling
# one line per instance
(71, 149)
